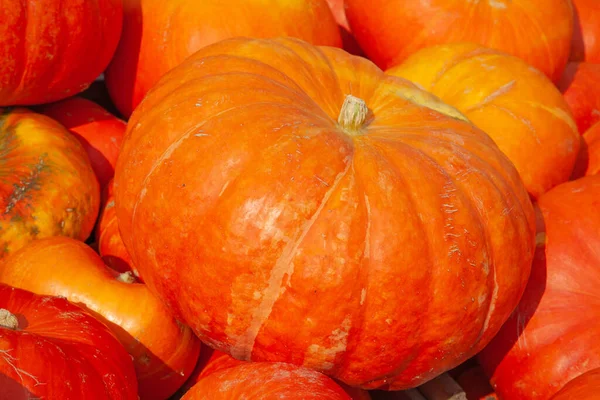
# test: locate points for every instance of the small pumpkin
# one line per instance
(265, 381)
(308, 173)
(552, 336)
(54, 49)
(579, 85)
(163, 350)
(586, 37)
(585, 387)
(100, 132)
(158, 35)
(513, 103)
(47, 184)
(52, 349)
(539, 31)
(588, 162)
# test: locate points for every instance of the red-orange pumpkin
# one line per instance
(552, 336)
(47, 185)
(348, 40)
(586, 36)
(538, 31)
(100, 132)
(52, 349)
(53, 49)
(588, 162)
(381, 249)
(266, 381)
(109, 243)
(163, 350)
(579, 85)
(158, 35)
(584, 387)
(515, 104)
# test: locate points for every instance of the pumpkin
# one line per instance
(54, 49)
(348, 40)
(109, 242)
(47, 185)
(36, 332)
(579, 85)
(588, 162)
(265, 381)
(100, 132)
(584, 387)
(552, 336)
(586, 37)
(298, 230)
(170, 32)
(538, 31)
(163, 350)
(516, 105)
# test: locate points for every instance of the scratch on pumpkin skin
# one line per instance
(502, 90)
(10, 360)
(242, 349)
(22, 189)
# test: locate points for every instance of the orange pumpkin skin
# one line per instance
(538, 31)
(164, 351)
(292, 207)
(551, 337)
(47, 185)
(110, 245)
(588, 162)
(586, 35)
(55, 350)
(100, 132)
(349, 42)
(579, 85)
(170, 33)
(264, 381)
(516, 105)
(584, 387)
(54, 49)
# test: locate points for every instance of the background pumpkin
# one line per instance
(551, 337)
(164, 351)
(538, 31)
(264, 381)
(588, 162)
(516, 105)
(87, 361)
(100, 132)
(586, 35)
(291, 206)
(170, 32)
(47, 185)
(584, 387)
(579, 85)
(54, 49)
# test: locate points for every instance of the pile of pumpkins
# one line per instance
(307, 199)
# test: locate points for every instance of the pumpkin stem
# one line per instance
(126, 277)
(8, 320)
(353, 113)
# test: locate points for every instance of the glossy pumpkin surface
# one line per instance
(54, 49)
(290, 213)
(586, 35)
(516, 105)
(164, 351)
(584, 387)
(36, 332)
(47, 184)
(552, 336)
(158, 35)
(537, 31)
(580, 88)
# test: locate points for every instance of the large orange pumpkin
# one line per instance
(586, 35)
(538, 31)
(158, 35)
(100, 132)
(54, 49)
(163, 350)
(266, 381)
(552, 336)
(381, 241)
(47, 185)
(588, 162)
(581, 89)
(52, 349)
(515, 104)
(584, 387)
